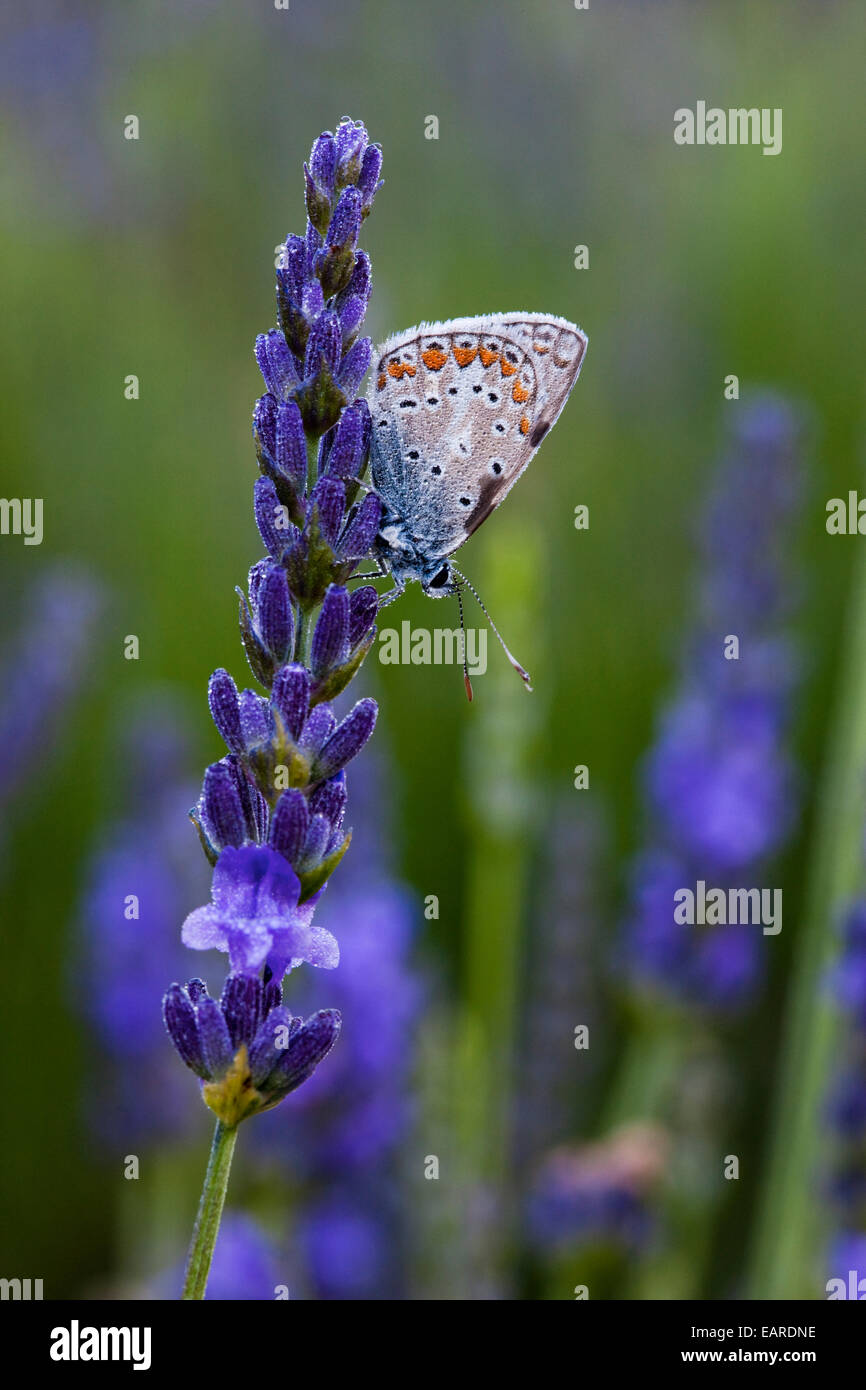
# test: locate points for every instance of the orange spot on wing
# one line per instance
(434, 359)
(400, 369)
(519, 393)
(487, 357)
(540, 350)
(525, 422)
(382, 382)
(507, 368)
(463, 356)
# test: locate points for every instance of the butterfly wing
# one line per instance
(459, 409)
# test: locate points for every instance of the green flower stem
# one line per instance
(304, 636)
(786, 1249)
(312, 462)
(210, 1210)
(501, 815)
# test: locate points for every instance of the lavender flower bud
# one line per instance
(363, 607)
(307, 1048)
(362, 529)
(180, 1022)
(241, 1004)
(291, 697)
(270, 1043)
(319, 727)
(351, 142)
(290, 824)
(324, 345)
(216, 1046)
(331, 636)
(274, 616)
(368, 179)
(222, 697)
(291, 447)
(328, 498)
(220, 808)
(255, 720)
(253, 804)
(351, 313)
(348, 738)
(276, 363)
(354, 367)
(361, 280)
(329, 800)
(323, 163)
(265, 427)
(267, 508)
(346, 457)
(336, 261)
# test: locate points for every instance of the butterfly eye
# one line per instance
(439, 579)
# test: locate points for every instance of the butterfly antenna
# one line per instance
(466, 681)
(522, 673)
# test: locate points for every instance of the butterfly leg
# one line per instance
(381, 571)
(390, 596)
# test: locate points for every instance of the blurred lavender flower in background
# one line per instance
(43, 666)
(140, 882)
(720, 786)
(247, 1266)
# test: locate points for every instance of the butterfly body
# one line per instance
(458, 410)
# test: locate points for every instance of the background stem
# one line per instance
(786, 1248)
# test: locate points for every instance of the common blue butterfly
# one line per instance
(458, 411)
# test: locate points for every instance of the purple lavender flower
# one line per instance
(256, 917)
(270, 817)
(720, 786)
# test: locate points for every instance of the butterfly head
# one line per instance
(406, 561)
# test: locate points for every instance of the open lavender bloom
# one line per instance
(271, 813)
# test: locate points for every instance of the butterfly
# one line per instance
(458, 411)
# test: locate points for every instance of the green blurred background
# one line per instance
(155, 257)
